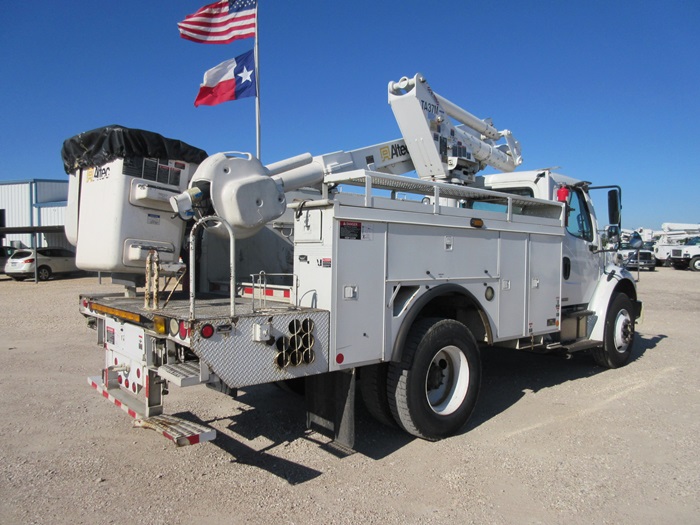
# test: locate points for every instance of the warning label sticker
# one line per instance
(110, 335)
(351, 230)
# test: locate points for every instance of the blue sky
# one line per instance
(608, 90)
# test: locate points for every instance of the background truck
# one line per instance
(686, 255)
(635, 259)
(670, 237)
(343, 270)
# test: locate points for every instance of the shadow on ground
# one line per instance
(279, 415)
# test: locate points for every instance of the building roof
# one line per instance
(27, 181)
(31, 229)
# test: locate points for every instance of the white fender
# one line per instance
(609, 281)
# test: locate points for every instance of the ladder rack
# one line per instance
(514, 204)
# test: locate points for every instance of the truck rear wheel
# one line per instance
(695, 263)
(618, 338)
(373, 391)
(435, 396)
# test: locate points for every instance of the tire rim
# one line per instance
(447, 381)
(623, 331)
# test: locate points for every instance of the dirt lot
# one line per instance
(552, 440)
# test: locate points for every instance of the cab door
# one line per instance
(581, 267)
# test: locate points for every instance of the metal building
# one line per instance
(32, 212)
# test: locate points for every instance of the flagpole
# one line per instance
(257, 85)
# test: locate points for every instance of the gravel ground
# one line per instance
(551, 441)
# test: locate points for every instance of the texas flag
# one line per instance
(229, 80)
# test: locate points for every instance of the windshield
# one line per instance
(628, 246)
(21, 254)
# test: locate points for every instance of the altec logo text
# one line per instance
(393, 151)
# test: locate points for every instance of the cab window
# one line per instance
(579, 219)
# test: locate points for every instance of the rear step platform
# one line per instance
(182, 374)
(178, 430)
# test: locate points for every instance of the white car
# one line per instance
(51, 261)
(5, 252)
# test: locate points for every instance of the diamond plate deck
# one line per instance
(239, 360)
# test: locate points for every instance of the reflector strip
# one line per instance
(177, 430)
(268, 292)
(109, 397)
(123, 314)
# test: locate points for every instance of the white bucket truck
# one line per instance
(397, 283)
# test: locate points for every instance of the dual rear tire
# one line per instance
(432, 393)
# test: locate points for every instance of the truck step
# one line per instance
(578, 313)
(575, 346)
(178, 430)
(181, 374)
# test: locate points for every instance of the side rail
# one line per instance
(232, 252)
(512, 204)
(261, 291)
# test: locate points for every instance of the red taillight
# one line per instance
(183, 330)
(207, 331)
(27, 261)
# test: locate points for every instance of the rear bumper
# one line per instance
(178, 430)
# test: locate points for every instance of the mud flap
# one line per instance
(330, 406)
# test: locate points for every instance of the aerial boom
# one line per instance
(439, 149)
(248, 195)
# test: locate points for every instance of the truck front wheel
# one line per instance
(435, 396)
(695, 263)
(679, 265)
(618, 338)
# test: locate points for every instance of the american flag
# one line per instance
(221, 22)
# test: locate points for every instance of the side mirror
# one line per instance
(636, 241)
(614, 207)
(612, 233)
